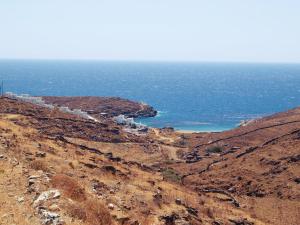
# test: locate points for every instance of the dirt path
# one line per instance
(161, 137)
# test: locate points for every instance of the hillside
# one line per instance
(58, 168)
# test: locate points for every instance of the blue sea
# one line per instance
(188, 96)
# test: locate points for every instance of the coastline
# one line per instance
(188, 131)
(204, 129)
(185, 131)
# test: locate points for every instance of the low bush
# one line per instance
(171, 175)
(69, 186)
(39, 165)
(214, 149)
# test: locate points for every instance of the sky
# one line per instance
(154, 30)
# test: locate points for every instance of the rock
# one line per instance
(14, 162)
(294, 159)
(157, 198)
(127, 207)
(168, 129)
(178, 201)
(50, 218)
(99, 187)
(2, 157)
(90, 165)
(111, 169)
(256, 193)
(116, 159)
(240, 222)
(44, 196)
(20, 199)
(170, 219)
(33, 177)
(192, 156)
(111, 206)
(144, 129)
(40, 154)
(216, 223)
(151, 182)
(297, 180)
(232, 189)
(54, 207)
(110, 156)
(31, 182)
(123, 220)
(192, 211)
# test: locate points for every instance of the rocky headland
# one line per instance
(110, 106)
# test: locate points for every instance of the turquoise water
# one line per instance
(189, 96)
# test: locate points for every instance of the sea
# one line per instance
(187, 95)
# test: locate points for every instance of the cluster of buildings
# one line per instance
(40, 102)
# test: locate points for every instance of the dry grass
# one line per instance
(39, 165)
(76, 211)
(69, 186)
(97, 214)
(169, 197)
(146, 221)
(91, 212)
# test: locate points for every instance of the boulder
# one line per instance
(50, 218)
(46, 195)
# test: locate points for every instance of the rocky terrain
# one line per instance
(59, 168)
(110, 106)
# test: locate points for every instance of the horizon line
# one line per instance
(149, 60)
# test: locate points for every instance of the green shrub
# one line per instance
(214, 149)
(171, 175)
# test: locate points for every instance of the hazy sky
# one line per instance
(196, 30)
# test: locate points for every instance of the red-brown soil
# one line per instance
(105, 175)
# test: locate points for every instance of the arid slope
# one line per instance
(57, 168)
